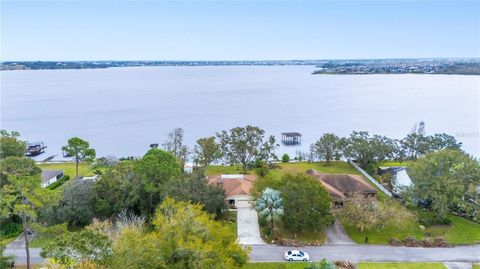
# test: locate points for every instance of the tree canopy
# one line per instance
(207, 151)
(306, 203)
(245, 145)
(10, 146)
(80, 150)
(447, 181)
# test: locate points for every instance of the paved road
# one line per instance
(21, 257)
(248, 231)
(336, 235)
(372, 253)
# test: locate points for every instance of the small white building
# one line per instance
(51, 176)
(188, 168)
(400, 177)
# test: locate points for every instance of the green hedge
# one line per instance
(59, 182)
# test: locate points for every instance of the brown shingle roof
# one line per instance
(339, 185)
(239, 185)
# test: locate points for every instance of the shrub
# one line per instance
(285, 158)
(395, 242)
(261, 168)
(9, 228)
(323, 264)
(59, 182)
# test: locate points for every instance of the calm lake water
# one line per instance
(122, 110)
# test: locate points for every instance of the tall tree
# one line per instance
(195, 188)
(10, 145)
(113, 190)
(152, 173)
(80, 150)
(207, 151)
(196, 241)
(447, 181)
(174, 144)
(328, 147)
(245, 145)
(306, 203)
(22, 197)
(76, 206)
(269, 206)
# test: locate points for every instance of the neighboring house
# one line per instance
(400, 177)
(51, 176)
(237, 188)
(188, 168)
(340, 186)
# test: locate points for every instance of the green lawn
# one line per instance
(84, 169)
(275, 265)
(39, 241)
(476, 266)
(409, 265)
(337, 167)
(383, 236)
(224, 169)
(461, 231)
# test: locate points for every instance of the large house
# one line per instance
(237, 188)
(340, 186)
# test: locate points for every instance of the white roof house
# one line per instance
(51, 176)
(400, 177)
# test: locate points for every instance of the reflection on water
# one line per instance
(121, 111)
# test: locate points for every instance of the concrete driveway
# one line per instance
(248, 230)
(336, 235)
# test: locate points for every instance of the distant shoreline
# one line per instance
(460, 66)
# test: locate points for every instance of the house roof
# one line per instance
(339, 185)
(233, 184)
(48, 174)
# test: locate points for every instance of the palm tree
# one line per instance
(269, 206)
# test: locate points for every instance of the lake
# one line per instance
(121, 111)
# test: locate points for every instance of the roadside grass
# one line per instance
(401, 265)
(461, 231)
(476, 266)
(6, 240)
(383, 236)
(40, 241)
(275, 265)
(305, 237)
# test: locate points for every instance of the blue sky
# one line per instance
(217, 30)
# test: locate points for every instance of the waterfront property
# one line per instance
(237, 188)
(341, 186)
(51, 176)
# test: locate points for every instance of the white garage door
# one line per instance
(242, 203)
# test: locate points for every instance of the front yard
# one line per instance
(460, 231)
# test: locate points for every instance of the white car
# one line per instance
(296, 255)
